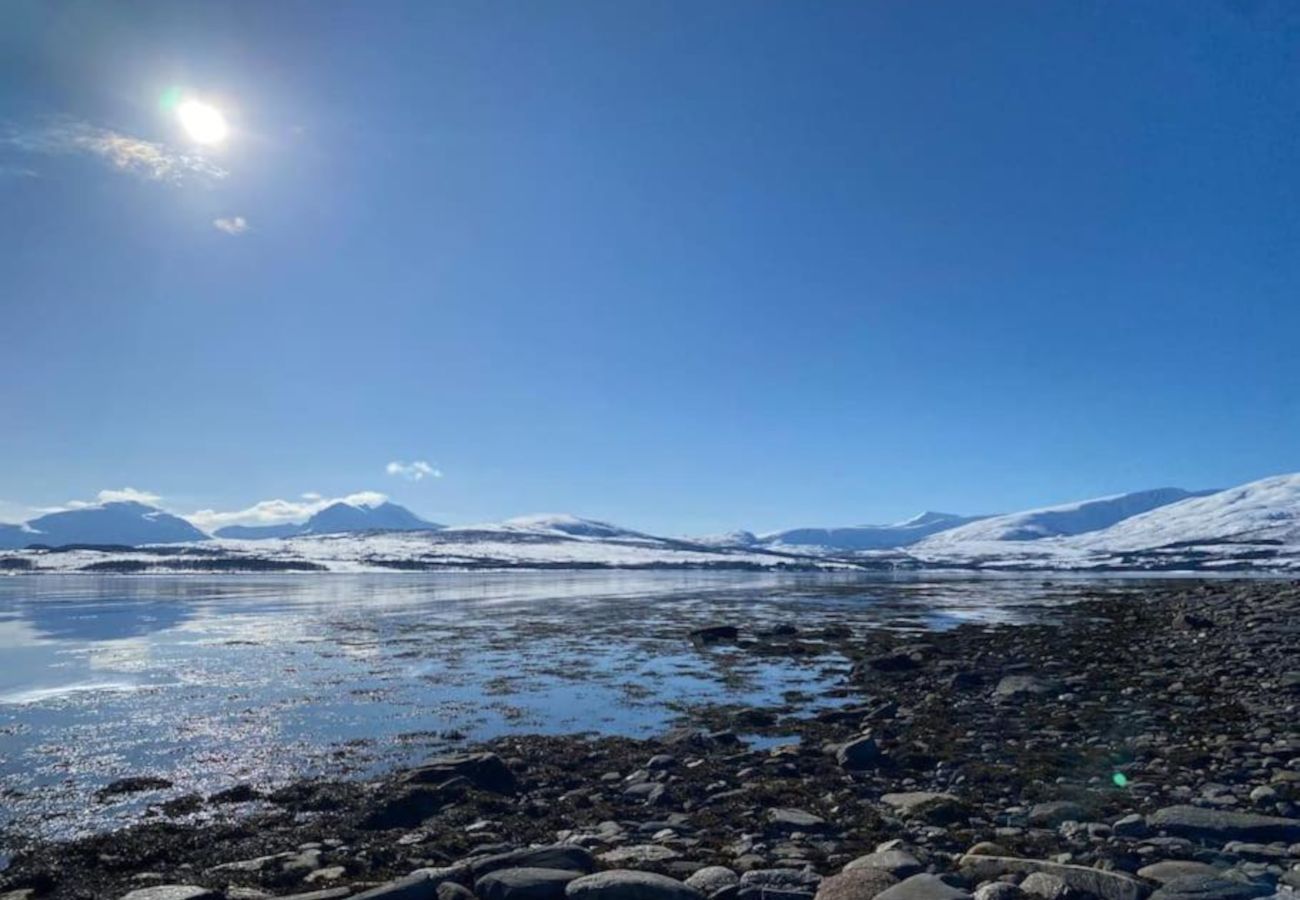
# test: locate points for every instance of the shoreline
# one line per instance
(1012, 734)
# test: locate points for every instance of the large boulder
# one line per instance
(923, 887)
(898, 863)
(930, 807)
(626, 884)
(855, 884)
(527, 883)
(1098, 882)
(1222, 826)
(859, 753)
(1209, 887)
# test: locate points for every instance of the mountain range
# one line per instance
(1256, 525)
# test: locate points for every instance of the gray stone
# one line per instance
(450, 890)
(625, 884)
(173, 892)
(856, 884)
(1040, 884)
(1207, 887)
(923, 887)
(1024, 685)
(998, 890)
(795, 820)
(1056, 812)
(712, 879)
(529, 883)
(898, 863)
(1195, 822)
(1169, 869)
(1132, 825)
(639, 854)
(1100, 883)
(928, 806)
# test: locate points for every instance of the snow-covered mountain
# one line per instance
(575, 526)
(1261, 512)
(337, 518)
(868, 537)
(1056, 521)
(119, 522)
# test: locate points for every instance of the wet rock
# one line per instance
(855, 884)
(524, 884)
(715, 634)
(859, 753)
(553, 856)
(1098, 882)
(711, 879)
(240, 793)
(923, 887)
(407, 809)
(898, 863)
(173, 892)
(1208, 887)
(626, 884)
(450, 890)
(133, 785)
(1220, 825)
(485, 771)
(1132, 825)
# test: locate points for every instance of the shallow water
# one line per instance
(211, 682)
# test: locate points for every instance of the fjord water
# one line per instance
(210, 682)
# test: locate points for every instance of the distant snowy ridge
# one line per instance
(337, 518)
(119, 522)
(868, 537)
(1063, 520)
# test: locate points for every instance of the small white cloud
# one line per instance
(148, 159)
(120, 495)
(279, 512)
(236, 225)
(7, 171)
(412, 471)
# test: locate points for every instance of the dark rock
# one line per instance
(407, 809)
(715, 634)
(1054, 813)
(859, 753)
(485, 771)
(133, 785)
(1097, 882)
(240, 793)
(554, 856)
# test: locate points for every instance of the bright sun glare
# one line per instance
(203, 123)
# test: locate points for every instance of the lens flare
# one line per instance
(203, 123)
(1120, 779)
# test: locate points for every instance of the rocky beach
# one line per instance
(1131, 743)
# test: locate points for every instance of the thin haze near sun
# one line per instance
(202, 122)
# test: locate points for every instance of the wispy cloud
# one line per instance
(235, 226)
(416, 470)
(8, 171)
(279, 512)
(147, 159)
(118, 495)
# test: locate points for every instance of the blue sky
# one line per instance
(684, 266)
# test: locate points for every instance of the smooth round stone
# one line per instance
(856, 884)
(898, 863)
(1168, 869)
(712, 879)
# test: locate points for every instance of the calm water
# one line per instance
(214, 681)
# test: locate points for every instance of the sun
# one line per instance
(203, 123)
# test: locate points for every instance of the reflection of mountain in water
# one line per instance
(103, 620)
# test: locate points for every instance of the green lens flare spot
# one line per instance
(1120, 779)
(170, 98)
